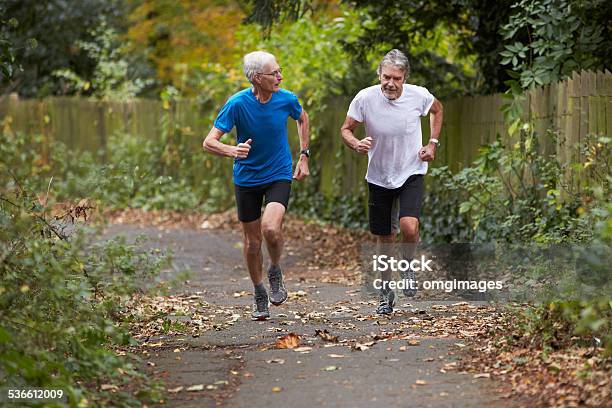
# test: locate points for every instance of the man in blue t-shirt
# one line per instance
(262, 167)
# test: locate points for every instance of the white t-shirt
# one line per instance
(395, 129)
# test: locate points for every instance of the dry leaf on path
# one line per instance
(482, 375)
(326, 335)
(290, 341)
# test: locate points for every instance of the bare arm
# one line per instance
(213, 144)
(349, 139)
(435, 119)
(428, 152)
(303, 129)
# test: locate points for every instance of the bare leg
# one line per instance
(252, 250)
(409, 227)
(383, 243)
(271, 226)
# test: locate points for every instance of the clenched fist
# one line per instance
(364, 145)
(242, 149)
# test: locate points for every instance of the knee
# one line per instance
(271, 233)
(410, 229)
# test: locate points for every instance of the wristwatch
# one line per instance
(305, 152)
(435, 141)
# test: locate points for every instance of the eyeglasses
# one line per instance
(276, 73)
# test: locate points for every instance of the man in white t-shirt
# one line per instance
(397, 159)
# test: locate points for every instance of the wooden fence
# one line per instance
(575, 107)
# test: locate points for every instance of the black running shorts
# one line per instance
(249, 199)
(380, 203)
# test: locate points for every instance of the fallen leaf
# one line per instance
(359, 347)
(175, 390)
(326, 335)
(276, 361)
(413, 342)
(290, 341)
(420, 382)
(303, 349)
(276, 389)
(336, 355)
(108, 387)
(197, 387)
(331, 368)
(482, 375)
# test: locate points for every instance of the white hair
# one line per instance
(397, 59)
(254, 62)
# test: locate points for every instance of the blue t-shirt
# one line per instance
(266, 124)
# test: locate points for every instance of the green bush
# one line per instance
(130, 172)
(60, 296)
(517, 194)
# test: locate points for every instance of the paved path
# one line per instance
(242, 368)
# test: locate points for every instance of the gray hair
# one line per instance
(396, 58)
(255, 62)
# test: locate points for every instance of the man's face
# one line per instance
(270, 77)
(391, 81)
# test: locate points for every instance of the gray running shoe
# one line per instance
(386, 302)
(279, 292)
(260, 308)
(409, 275)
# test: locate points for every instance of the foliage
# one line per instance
(267, 12)
(179, 36)
(110, 78)
(559, 323)
(59, 303)
(439, 37)
(7, 54)
(56, 26)
(517, 194)
(547, 40)
(130, 172)
(519, 197)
